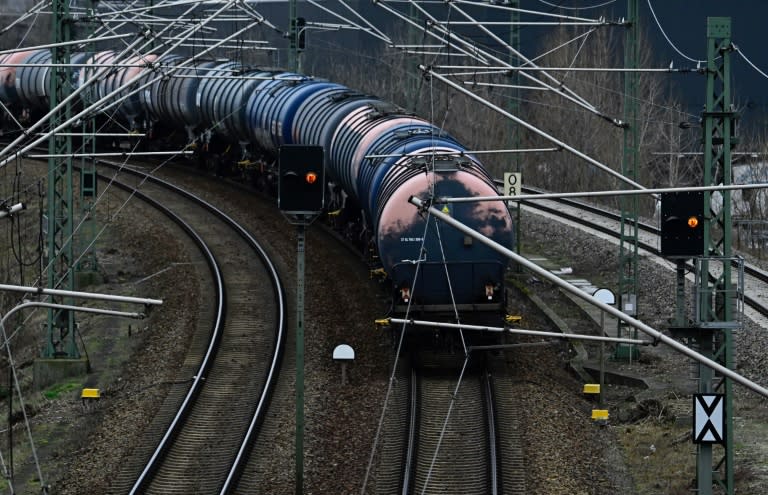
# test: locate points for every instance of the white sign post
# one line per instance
(605, 296)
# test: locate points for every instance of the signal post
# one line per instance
(693, 229)
(301, 195)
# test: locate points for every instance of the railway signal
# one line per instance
(301, 185)
(298, 33)
(682, 224)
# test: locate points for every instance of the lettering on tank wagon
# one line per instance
(411, 239)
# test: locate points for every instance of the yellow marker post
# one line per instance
(591, 388)
(600, 415)
(90, 393)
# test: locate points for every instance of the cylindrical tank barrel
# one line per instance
(32, 82)
(287, 104)
(450, 269)
(342, 107)
(317, 111)
(8, 93)
(261, 106)
(130, 108)
(179, 95)
(231, 102)
(210, 89)
(151, 97)
(348, 134)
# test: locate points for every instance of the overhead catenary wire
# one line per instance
(370, 29)
(535, 129)
(506, 7)
(629, 320)
(748, 61)
(585, 7)
(669, 41)
(557, 86)
(76, 229)
(34, 10)
(510, 8)
(80, 42)
(589, 194)
(444, 427)
(560, 87)
(87, 83)
(102, 105)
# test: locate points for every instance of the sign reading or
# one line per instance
(513, 184)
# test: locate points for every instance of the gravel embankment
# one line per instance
(82, 448)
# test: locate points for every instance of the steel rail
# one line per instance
(748, 269)
(280, 331)
(410, 454)
(490, 407)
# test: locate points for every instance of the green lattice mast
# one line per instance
(60, 338)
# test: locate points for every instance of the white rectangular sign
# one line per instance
(708, 418)
(513, 184)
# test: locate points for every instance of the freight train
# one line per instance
(376, 155)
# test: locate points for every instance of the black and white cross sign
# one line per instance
(708, 418)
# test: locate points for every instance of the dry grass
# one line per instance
(660, 455)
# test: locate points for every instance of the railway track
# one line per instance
(452, 451)
(205, 429)
(607, 223)
(449, 436)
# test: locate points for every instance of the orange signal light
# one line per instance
(311, 177)
(693, 222)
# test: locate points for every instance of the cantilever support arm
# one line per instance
(81, 295)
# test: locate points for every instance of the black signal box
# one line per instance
(301, 182)
(682, 224)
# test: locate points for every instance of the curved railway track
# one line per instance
(209, 425)
(200, 476)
